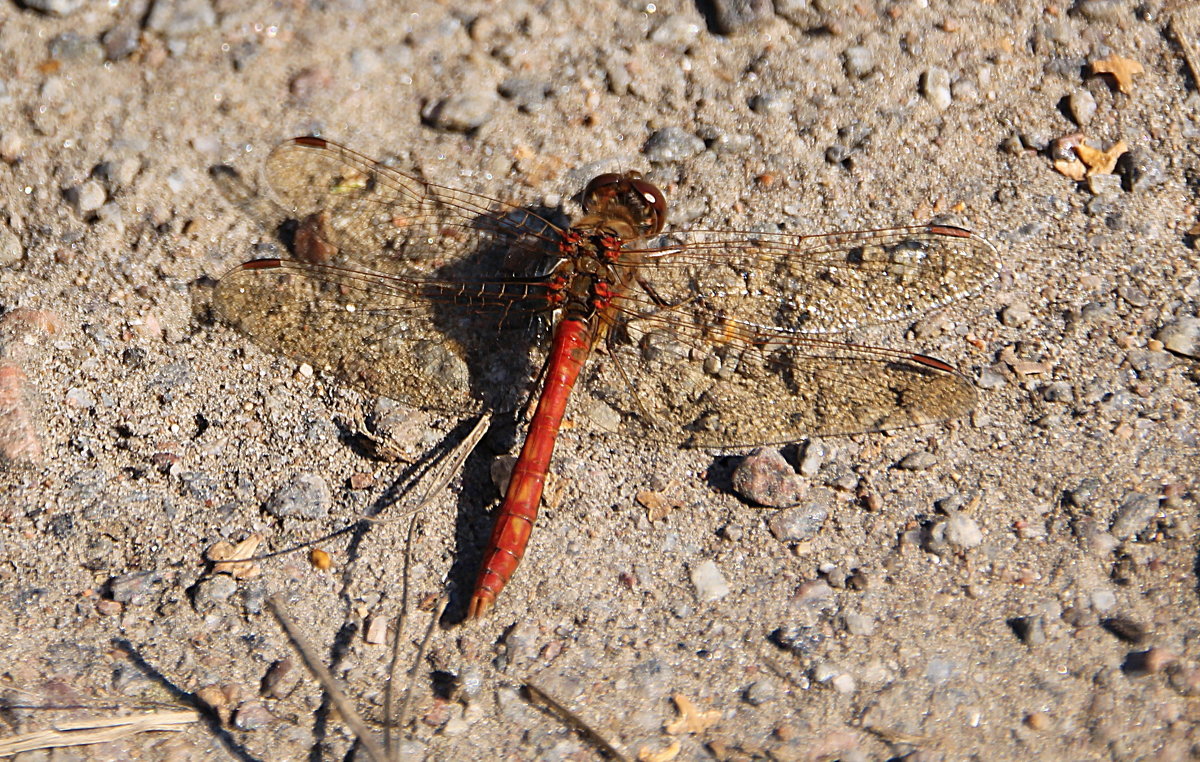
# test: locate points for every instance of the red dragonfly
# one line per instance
(441, 298)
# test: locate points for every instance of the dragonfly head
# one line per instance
(629, 198)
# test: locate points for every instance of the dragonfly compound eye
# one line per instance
(644, 204)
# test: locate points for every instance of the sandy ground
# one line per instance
(1017, 584)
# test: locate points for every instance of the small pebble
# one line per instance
(1142, 169)
(1185, 680)
(844, 684)
(11, 147)
(1181, 336)
(760, 692)
(935, 86)
(676, 29)
(709, 583)
(462, 112)
(1134, 515)
(814, 453)
(279, 679)
(990, 378)
(121, 41)
(304, 496)
(859, 61)
(132, 587)
(1125, 628)
(1058, 391)
(917, 461)
(800, 523)
(529, 95)
(766, 478)
(860, 624)
(213, 592)
(962, 531)
(377, 630)
(86, 197)
(735, 16)
(1103, 600)
(814, 592)
(12, 250)
(1112, 11)
(1107, 186)
(1038, 721)
(672, 144)
(80, 398)
(252, 715)
(54, 7)
(181, 18)
(1016, 314)
(1030, 629)
(770, 103)
(1082, 105)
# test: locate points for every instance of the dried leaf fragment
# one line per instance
(1072, 168)
(1101, 162)
(666, 755)
(233, 559)
(657, 504)
(691, 719)
(1121, 69)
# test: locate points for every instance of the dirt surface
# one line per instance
(1017, 584)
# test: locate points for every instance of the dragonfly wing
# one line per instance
(398, 286)
(410, 341)
(720, 342)
(817, 284)
(371, 213)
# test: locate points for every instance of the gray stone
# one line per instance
(760, 692)
(1016, 314)
(1181, 336)
(12, 250)
(859, 61)
(672, 144)
(1082, 105)
(214, 592)
(86, 197)
(798, 524)
(305, 496)
(935, 86)
(917, 461)
(708, 582)
(54, 7)
(462, 112)
(181, 18)
(1134, 515)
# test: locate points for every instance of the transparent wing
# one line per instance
(718, 339)
(403, 288)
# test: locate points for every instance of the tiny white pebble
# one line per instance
(305, 370)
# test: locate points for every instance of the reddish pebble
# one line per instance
(1038, 720)
(19, 442)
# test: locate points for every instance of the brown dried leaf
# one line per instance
(691, 719)
(1072, 168)
(1121, 69)
(232, 559)
(666, 755)
(1101, 162)
(657, 504)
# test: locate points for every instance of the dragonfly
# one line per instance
(457, 301)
